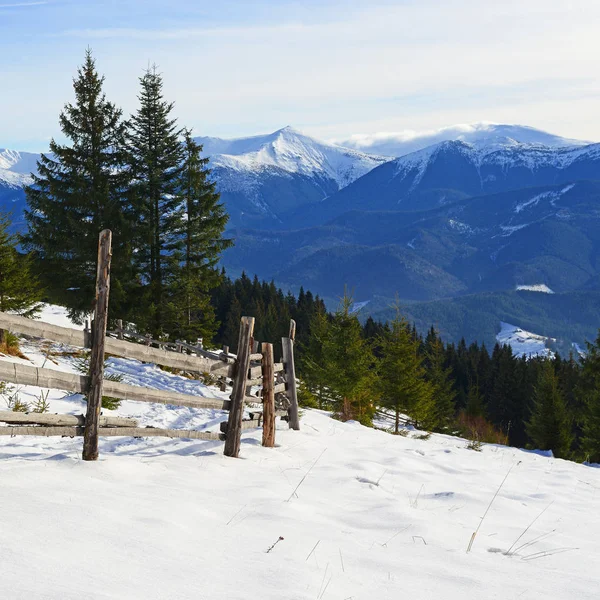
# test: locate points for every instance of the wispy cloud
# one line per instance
(23, 4)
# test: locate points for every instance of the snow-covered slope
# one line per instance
(16, 167)
(292, 152)
(334, 511)
(399, 144)
(524, 343)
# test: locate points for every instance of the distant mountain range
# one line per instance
(452, 228)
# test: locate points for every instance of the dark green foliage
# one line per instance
(550, 426)
(440, 378)
(402, 383)
(196, 249)
(155, 156)
(589, 393)
(348, 364)
(78, 192)
(20, 291)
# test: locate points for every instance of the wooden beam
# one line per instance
(234, 429)
(277, 367)
(94, 396)
(112, 432)
(290, 377)
(71, 382)
(254, 372)
(268, 393)
(246, 424)
(16, 418)
(256, 357)
(24, 326)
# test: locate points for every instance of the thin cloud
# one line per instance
(23, 4)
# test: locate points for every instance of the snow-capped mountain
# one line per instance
(481, 134)
(261, 178)
(16, 167)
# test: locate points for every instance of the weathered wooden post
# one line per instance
(236, 412)
(119, 329)
(268, 393)
(290, 376)
(94, 397)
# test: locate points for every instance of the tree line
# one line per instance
(358, 371)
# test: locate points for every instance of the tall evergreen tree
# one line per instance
(155, 156)
(549, 426)
(78, 192)
(440, 378)
(312, 359)
(20, 291)
(196, 249)
(588, 391)
(401, 383)
(348, 366)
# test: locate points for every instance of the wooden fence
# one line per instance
(248, 369)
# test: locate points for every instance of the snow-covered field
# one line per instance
(373, 516)
(523, 343)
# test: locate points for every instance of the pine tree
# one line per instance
(312, 363)
(196, 250)
(549, 426)
(348, 366)
(155, 156)
(401, 384)
(442, 383)
(78, 192)
(20, 291)
(588, 392)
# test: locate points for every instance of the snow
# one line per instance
(373, 515)
(16, 167)
(291, 152)
(537, 287)
(523, 343)
(401, 143)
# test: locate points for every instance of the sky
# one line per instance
(330, 68)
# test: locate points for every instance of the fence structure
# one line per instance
(250, 368)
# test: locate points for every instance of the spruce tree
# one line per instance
(401, 382)
(588, 391)
(348, 363)
(20, 291)
(78, 192)
(155, 157)
(312, 364)
(550, 426)
(440, 378)
(196, 249)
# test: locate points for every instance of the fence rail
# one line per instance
(277, 380)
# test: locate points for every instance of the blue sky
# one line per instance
(330, 68)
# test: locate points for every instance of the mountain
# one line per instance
(15, 174)
(264, 178)
(399, 144)
(455, 170)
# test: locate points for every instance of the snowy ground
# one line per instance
(523, 343)
(374, 515)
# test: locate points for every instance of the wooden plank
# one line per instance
(280, 388)
(94, 396)
(141, 394)
(112, 432)
(24, 326)
(278, 367)
(268, 393)
(234, 429)
(42, 431)
(246, 424)
(15, 418)
(257, 381)
(290, 377)
(256, 357)
(70, 382)
(254, 372)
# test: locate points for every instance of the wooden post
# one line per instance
(290, 378)
(236, 412)
(94, 397)
(268, 391)
(292, 330)
(119, 329)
